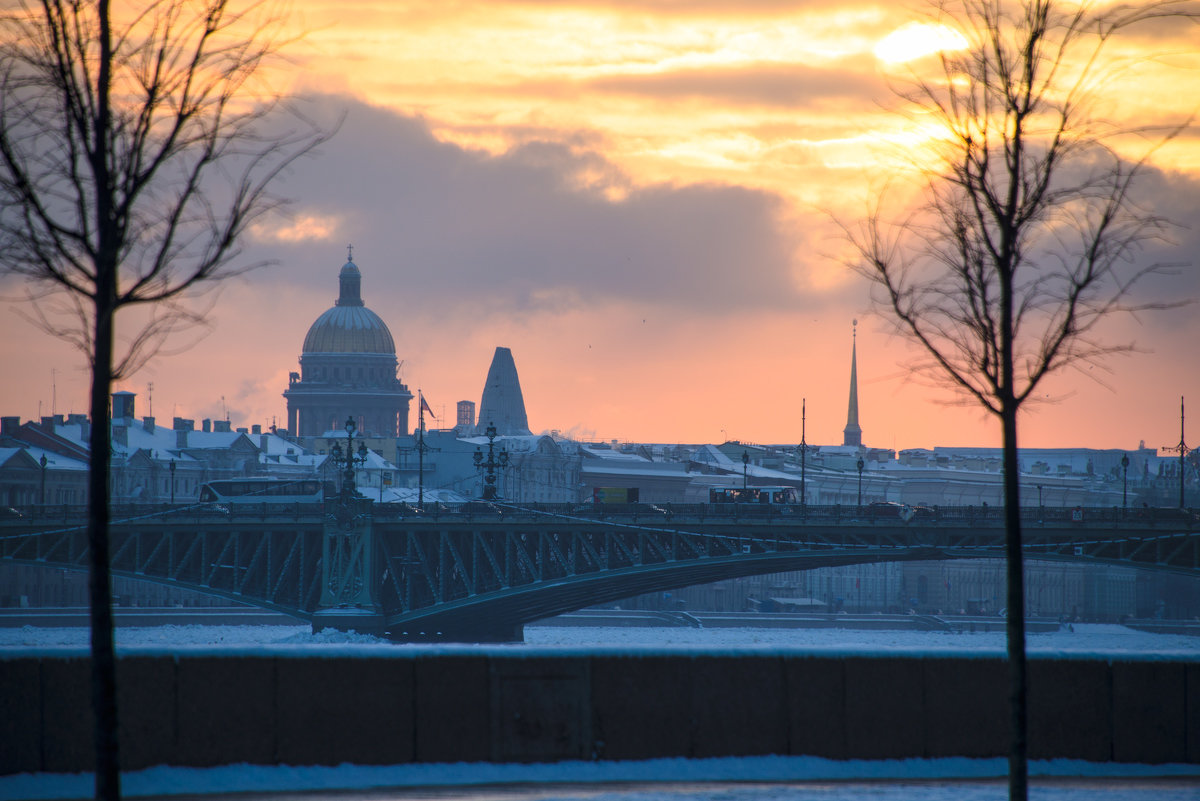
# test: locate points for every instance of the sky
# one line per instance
(637, 198)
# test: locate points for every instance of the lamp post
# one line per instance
(745, 468)
(1125, 481)
(349, 459)
(859, 464)
(803, 452)
(171, 467)
(42, 500)
(492, 465)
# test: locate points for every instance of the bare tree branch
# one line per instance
(132, 158)
(1028, 236)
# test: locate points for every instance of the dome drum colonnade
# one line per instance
(348, 369)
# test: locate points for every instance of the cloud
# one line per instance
(535, 227)
(792, 86)
(305, 228)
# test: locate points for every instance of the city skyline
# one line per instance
(634, 201)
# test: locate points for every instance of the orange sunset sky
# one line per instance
(635, 197)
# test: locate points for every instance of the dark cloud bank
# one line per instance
(511, 231)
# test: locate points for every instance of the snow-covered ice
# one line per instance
(1102, 640)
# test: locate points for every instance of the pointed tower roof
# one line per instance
(502, 404)
(852, 433)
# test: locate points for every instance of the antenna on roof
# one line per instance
(53, 391)
(224, 409)
(150, 398)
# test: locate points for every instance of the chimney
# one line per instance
(122, 405)
(120, 435)
(262, 442)
(148, 425)
(181, 438)
(255, 429)
(220, 426)
(85, 429)
(206, 424)
(47, 423)
(9, 425)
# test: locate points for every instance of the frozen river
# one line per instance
(1084, 639)
(745, 779)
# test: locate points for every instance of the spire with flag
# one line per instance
(422, 408)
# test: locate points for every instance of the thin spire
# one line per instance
(852, 434)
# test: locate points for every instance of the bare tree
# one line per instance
(133, 155)
(1027, 234)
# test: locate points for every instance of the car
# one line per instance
(887, 509)
(9, 513)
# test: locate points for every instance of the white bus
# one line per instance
(263, 490)
(774, 496)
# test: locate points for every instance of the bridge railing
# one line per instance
(118, 513)
(643, 513)
(675, 513)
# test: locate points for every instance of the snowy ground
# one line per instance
(750, 779)
(731, 779)
(1103, 640)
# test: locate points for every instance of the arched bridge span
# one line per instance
(466, 575)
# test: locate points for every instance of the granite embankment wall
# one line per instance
(194, 710)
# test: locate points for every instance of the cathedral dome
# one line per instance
(349, 327)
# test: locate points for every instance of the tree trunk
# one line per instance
(104, 678)
(1018, 763)
(104, 661)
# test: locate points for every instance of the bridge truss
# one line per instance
(472, 576)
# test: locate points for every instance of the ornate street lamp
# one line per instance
(860, 469)
(492, 465)
(1125, 481)
(42, 502)
(349, 459)
(172, 469)
(745, 467)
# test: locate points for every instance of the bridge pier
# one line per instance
(349, 588)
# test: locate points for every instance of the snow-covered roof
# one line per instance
(411, 495)
(610, 455)
(643, 468)
(54, 461)
(712, 455)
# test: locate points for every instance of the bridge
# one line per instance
(479, 572)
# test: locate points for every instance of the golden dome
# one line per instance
(349, 327)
